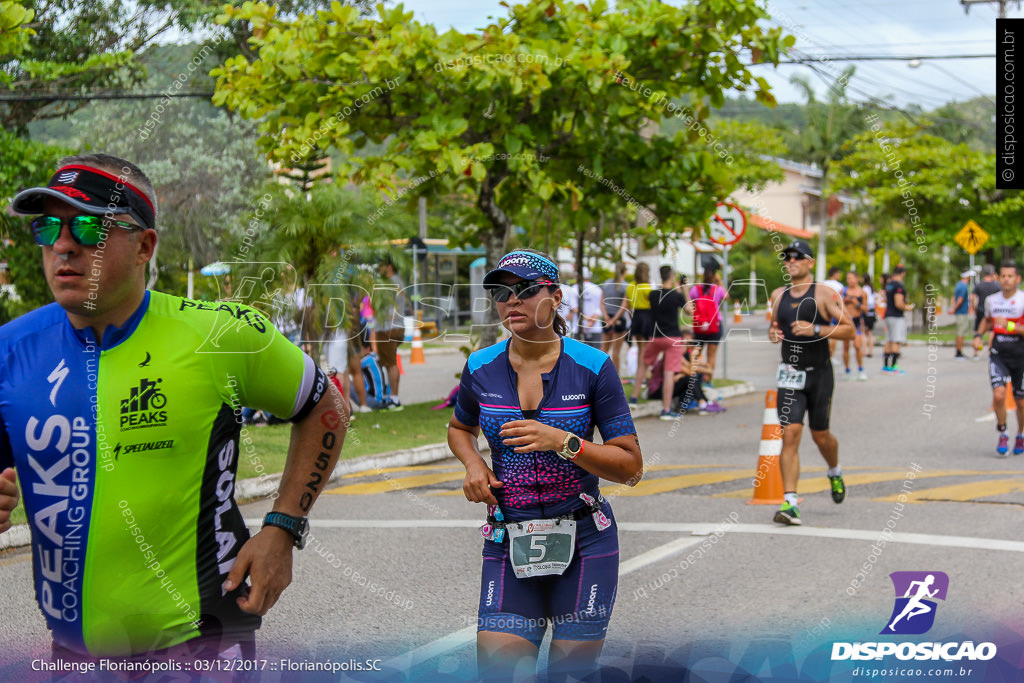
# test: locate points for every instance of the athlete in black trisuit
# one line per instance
(800, 320)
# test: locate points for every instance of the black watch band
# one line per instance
(298, 527)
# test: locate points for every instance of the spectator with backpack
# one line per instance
(378, 388)
(706, 306)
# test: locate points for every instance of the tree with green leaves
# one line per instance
(822, 139)
(318, 240)
(927, 187)
(531, 109)
(23, 163)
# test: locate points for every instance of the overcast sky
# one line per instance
(844, 27)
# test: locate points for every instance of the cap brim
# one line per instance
(491, 279)
(30, 202)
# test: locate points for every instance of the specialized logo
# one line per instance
(56, 378)
(573, 397)
(143, 406)
(916, 592)
(142, 447)
(145, 362)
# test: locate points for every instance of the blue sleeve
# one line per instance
(609, 408)
(467, 405)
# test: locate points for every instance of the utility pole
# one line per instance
(1002, 5)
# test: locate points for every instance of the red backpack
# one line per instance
(706, 318)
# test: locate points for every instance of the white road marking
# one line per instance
(694, 529)
(696, 534)
(463, 637)
(991, 417)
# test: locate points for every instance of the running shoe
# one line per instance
(364, 409)
(690, 406)
(714, 407)
(633, 401)
(862, 377)
(960, 357)
(1004, 444)
(838, 489)
(669, 415)
(395, 406)
(1018, 445)
(886, 369)
(897, 370)
(849, 377)
(788, 514)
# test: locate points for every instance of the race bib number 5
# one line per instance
(541, 547)
(791, 378)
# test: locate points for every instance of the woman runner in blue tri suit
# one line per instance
(551, 551)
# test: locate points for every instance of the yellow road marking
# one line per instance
(652, 468)
(963, 492)
(410, 468)
(819, 484)
(399, 484)
(649, 487)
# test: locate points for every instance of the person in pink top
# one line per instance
(705, 305)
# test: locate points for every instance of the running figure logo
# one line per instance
(914, 612)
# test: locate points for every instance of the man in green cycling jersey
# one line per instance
(120, 412)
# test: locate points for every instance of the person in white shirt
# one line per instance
(570, 308)
(591, 316)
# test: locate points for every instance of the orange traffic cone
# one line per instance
(768, 479)
(416, 356)
(1010, 403)
(768, 313)
(737, 313)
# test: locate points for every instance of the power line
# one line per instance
(205, 95)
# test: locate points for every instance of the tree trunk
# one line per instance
(579, 282)
(495, 240)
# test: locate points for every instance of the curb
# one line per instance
(260, 487)
(653, 408)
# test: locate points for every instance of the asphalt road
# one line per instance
(708, 583)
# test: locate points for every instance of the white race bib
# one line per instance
(791, 378)
(541, 547)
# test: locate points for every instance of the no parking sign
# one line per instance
(728, 224)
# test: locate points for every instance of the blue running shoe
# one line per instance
(1018, 445)
(669, 415)
(1004, 444)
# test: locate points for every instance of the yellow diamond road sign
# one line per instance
(971, 237)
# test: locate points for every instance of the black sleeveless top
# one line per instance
(802, 352)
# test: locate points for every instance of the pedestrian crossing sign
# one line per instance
(972, 237)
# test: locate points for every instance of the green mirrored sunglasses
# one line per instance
(87, 230)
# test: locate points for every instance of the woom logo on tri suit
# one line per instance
(143, 407)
